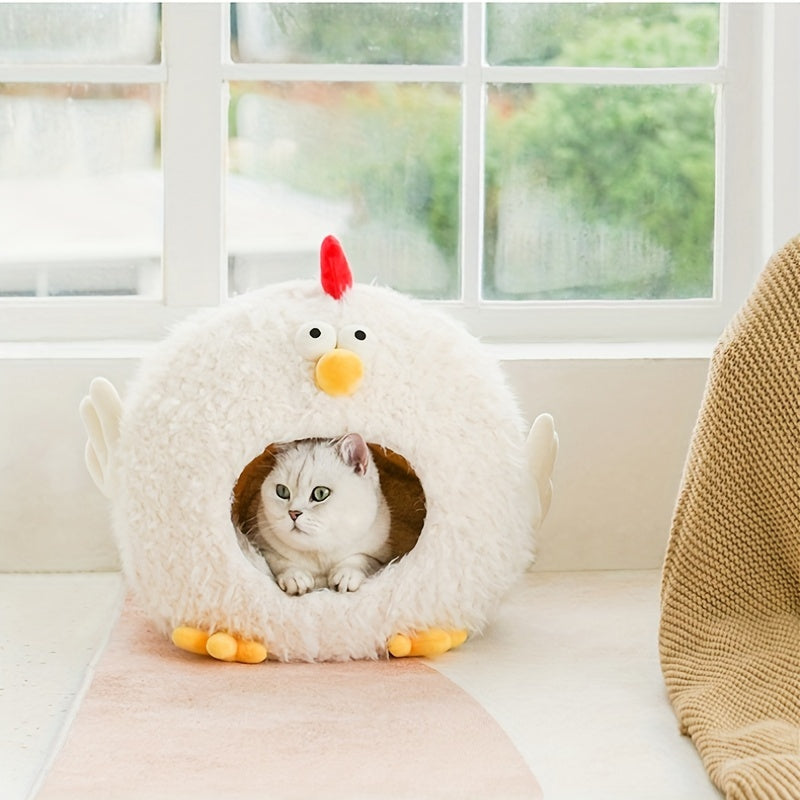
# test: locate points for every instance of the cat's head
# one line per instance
(321, 493)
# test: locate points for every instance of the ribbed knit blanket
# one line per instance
(730, 616)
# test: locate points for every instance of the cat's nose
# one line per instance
(339, 372)
(294, 515)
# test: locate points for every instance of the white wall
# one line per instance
(52, 517)
(624, 426)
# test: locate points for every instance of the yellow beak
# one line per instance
(339, 372)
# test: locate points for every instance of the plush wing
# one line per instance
(542, 449)
(100, 412)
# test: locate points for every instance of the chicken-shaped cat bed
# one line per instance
(184, 458)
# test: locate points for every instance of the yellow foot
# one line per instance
(220, 645)
(432, 642)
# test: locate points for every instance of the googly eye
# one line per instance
(357, 338)
(314, 339)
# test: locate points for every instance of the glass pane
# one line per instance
(79, 33)
(599, 192)
(80, 189)
(603, 34)
(348, 33)
(375, 164)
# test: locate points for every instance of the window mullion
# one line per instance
(605, 76)
(472, 144)
(739, 159)
(193, 148)
(344, 73)
(82, 73)
(781, 184)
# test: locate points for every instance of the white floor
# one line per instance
(52, 628)
(569, 668)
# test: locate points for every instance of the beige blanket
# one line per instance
(730, 625)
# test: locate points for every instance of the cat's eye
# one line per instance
(320, 493)
(357, 338)
(283, 491)
(314, 339)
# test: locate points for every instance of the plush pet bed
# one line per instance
(730, 624)
(182, 458)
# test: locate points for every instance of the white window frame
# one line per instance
(758, 175)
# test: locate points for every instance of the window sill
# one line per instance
(76, 351)
(699, 349)
(523, 351)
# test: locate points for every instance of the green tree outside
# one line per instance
(639, 156)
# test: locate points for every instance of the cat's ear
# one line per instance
(354, 452)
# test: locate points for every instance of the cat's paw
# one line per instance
(296, 581)
(346, 578)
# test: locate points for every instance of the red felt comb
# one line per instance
(335, 272)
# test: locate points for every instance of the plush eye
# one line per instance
(357, 338)
(320, 493)
(283, 491)
(314, 339)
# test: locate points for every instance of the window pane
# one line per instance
(80, 190)
(348, 33)
(374, 164)
(79, 33)
(599, 192)
(603, 34)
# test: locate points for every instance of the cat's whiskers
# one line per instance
(249, 525)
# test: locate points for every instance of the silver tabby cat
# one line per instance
(323, 520)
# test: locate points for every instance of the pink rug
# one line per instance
(160, 724)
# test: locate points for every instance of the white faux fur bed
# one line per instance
(229, 382)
